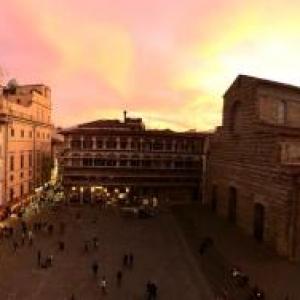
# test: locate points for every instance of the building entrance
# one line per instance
(259, 221)
(232, 205)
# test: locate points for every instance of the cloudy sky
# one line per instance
(168, 61)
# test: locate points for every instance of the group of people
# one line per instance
(151, 289)
(29, 232)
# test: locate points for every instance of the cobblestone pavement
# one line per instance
(276, 276)
(160, 254)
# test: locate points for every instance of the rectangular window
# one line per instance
(99, 144)
(30, 134)
(30, 158)
(87, 144)
(22, 161)
(12, 163)
(22, 133)
(12, 132)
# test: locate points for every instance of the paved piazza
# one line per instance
(160, 254)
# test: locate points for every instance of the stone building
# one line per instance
(253, 176)
(122, 156)
(25, 140)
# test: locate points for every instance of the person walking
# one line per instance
(154, 291)
(103, 285)
(39, 257)
(61, 245)
(95, 268)
(130, 260)
(15, 245)
(50, 259)
(30, 237)
(95, 242)
(149, 290)
(119, 277)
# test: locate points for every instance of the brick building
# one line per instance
(25, 140)
(123, 156)
(253, 164)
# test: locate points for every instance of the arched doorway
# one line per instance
(232, 205)
(259, 222)
(214, 198)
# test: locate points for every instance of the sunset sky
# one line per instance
(168, 61)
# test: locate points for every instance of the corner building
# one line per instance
(25, 135)
(123, 156)
(253, 176)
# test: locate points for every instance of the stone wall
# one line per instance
(245, 163)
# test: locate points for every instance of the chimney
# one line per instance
(125, 115)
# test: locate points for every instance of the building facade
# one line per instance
(25, 135)
(253, 164)
(124, 156)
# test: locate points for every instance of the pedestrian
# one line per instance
(103, 285)
(30, 237)
(23, 238)
(15, 245)
(130, 262)
(125, 260)
(154, 291)
(119, 278)
(96, 243)
(95, 268)
(149, 290)
(61, 245)
(39, 257)
(50, 260)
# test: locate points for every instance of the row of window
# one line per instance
(12, 191)
(41, 135)
(98, 162)
(134, 145)
(22, 161)
(39, 157)
(21, 175)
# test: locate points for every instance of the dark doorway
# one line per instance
(214, 198)
(232, 205)
(259, 221)
(195, 194)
